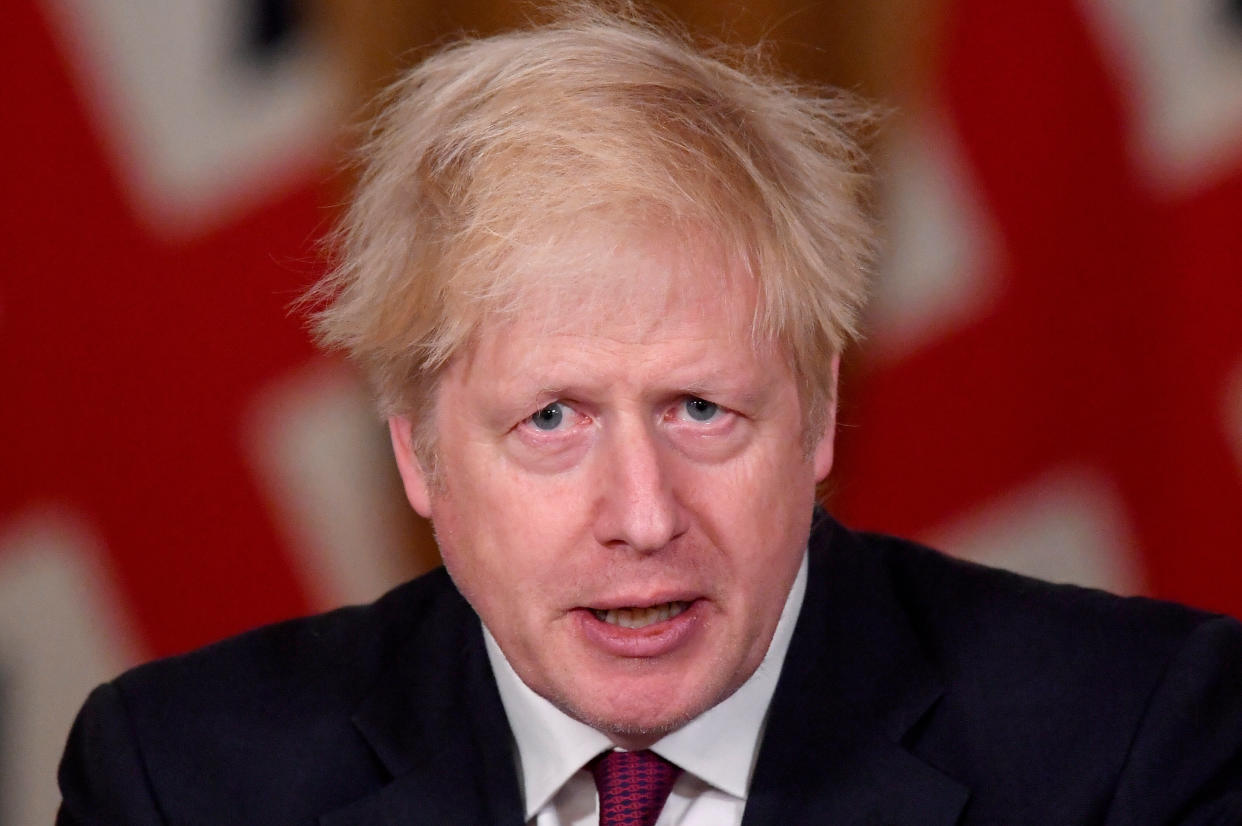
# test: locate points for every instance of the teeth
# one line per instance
(640, 617)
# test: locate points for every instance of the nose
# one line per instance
(638, 506)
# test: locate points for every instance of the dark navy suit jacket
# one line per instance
(918, 690)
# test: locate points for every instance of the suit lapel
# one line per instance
(853, 685)
(436, 723)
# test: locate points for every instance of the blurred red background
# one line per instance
(1052, 380)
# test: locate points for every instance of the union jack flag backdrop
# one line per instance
(1053, 380)
(178, 464)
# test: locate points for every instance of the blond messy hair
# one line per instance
(487, 149)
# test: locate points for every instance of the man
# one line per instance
(601, 282)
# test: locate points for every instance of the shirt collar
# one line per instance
(719, 746)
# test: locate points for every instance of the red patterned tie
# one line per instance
(633, 786)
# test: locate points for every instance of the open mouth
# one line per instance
(640, 617)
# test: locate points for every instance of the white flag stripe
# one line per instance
(324, 460)
(935, 275)
(1181, 62)
(197, 134)
(1069, 526)
(61, 633)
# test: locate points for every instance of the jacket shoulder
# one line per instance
(1129, 707)
(258, 727)
(962, 609)
(306, 653)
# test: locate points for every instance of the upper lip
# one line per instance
(610, 603)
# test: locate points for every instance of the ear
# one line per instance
(413, 477)
(824, 448)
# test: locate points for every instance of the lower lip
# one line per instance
(654, 640)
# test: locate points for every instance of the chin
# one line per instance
(637, 725)
(638, 731)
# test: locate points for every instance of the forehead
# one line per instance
(688, 337)
(630, 282)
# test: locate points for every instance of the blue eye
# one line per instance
(549, 418)
(701, 410)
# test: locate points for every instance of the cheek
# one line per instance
(507, 527)
(758, 508)
(769, 479)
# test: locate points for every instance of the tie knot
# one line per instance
(633, 786)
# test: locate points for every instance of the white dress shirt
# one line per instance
(717, 749)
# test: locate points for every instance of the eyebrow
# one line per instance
(741, 388)
(749, 396)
